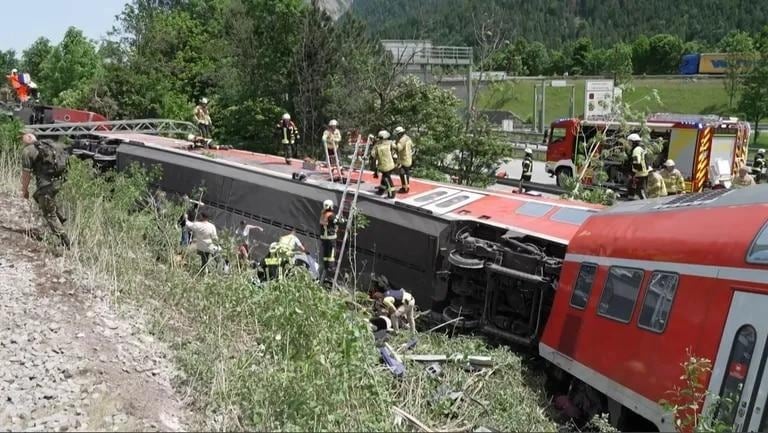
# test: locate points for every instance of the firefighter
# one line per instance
(639, 166)
(743, 179)
(673, 179)
(396, 303)
(331, 141)
(275, 263)
(656, 185)
(16, 82)
(385, 163)
(527, 168)
(404, 148)
(758, 165)
(288, 135)
(203, 119)
(329, 224)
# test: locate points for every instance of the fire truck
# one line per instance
(706, 149)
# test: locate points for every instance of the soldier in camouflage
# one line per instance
(47, 161)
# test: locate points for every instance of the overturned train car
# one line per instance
(491, 258)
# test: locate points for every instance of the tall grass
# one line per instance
(285, 356)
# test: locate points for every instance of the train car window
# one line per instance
(736, 374)
(758, 253)
(534, 209)
(583, 286)
(431, 196)
(620, 293)
(452, 201)
(658, 301)
(571, 216)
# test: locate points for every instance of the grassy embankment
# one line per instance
(286, 356)
(704, 96)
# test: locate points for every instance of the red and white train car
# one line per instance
(645, 282)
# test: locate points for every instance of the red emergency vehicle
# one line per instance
(641, 285)
(706, 149)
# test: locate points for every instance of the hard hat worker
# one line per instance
(404, 148)
(276, 262)
(758, 166)
(385, 163)
(46, 161)
(639, 166)
(203, 118)
(329, 224)
(743, 179)
(331, 141)
(288, 136)
(656, 186)
(527, 168)
(673, 179)
(396, 303)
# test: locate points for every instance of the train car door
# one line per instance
(737, 376)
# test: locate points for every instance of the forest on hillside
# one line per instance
(556, 23)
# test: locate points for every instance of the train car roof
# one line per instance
(553, 219)
(714, 229)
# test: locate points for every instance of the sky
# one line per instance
(52, 18)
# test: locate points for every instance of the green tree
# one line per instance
(536, 59)
(8, 61)
(619, 63)
(581, 56)
(33, 57)
(664, 53)
(71, 64)
(754, 95)
(641, 60)
(740, 49)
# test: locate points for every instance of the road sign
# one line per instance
(599, 97)
(559, 83)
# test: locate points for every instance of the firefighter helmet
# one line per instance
(761, 151)
(399, 130)
(383, 134)
(634, 137)
(328, 204)
(204, 101)
(528, 151)
(286, 116)
(273, 247)
(669, 163)
(333, 123)
(14, 71)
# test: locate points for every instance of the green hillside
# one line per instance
(555, 22)
(676, 95)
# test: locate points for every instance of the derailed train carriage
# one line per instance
(491, 258)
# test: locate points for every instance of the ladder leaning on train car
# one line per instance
(348, 202)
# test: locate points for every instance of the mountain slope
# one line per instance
(555, 22)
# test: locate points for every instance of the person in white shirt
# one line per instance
(204, 236)
(243, 242)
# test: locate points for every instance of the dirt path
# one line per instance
(67, 361)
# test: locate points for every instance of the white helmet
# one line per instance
(273, 247)
(333, 123)
(383, 134)
(191, 137)
(286, 116)
(399, 130)
(761, 151)
(528, 151)
(328, 204)
(634, 137)
(14, 71)
(204, 101)
(669, 163)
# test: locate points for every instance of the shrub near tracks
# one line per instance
(284, 356)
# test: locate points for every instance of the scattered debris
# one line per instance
(392, 361)
(410, 418)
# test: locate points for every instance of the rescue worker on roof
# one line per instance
(15, 80)
(527, 169)
(758, 165)
(404, 148)
(288, 136)
(639, 166)
(385, 163)
(332, 141)
(656, 185)
(203, 118)
(47, 161)
(395, 302)
(742, 180)
(673, 179)
(329, 223)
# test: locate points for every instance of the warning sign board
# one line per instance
(599, 97)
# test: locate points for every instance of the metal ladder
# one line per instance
(141, 126)
(348, 204)
(333, 166)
